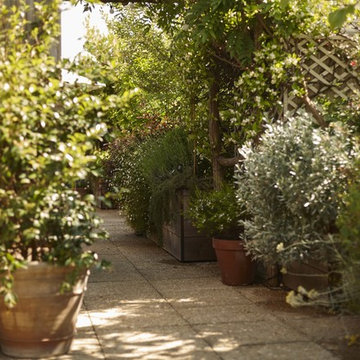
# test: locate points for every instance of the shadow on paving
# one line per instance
(153, 307)
(149, 306)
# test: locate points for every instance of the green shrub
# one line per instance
(48, 131)
(128, 183)
(147, 174)
(290, 184)
(216, 212)
(167, 167)
(343, 252)
(348, 248)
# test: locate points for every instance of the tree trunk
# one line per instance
(192, 119)
(215, 135)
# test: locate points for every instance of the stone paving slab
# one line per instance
(261, 294)
(151, 307)
(121, 290)
(172, 274)
(223, 314)
(203, 297)
(229, 336)
(132, 296)
(105, 248)
(172, 342)
(326, 328)
(139, 315)
(166, 287)
(281, 351)
(120, 271)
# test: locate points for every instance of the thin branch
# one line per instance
(310, 106)
(264, 26)
(125, 2)
(227, 61)
(228, 162)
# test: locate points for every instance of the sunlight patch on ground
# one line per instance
(83, 321)
(227, 344)
(111, 316)
(150, 345)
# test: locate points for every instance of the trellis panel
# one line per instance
(328, 69)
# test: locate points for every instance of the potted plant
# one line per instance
(218, 214)
(290, 184)
(48, 130)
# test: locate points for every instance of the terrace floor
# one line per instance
(150, 306)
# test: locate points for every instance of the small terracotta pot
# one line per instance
(236, 267)
(42, 323)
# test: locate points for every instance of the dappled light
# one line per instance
(193, 317)
(199, 160)
(151, 345)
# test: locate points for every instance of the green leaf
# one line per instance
(284, 4)
(338, 17)
(10, 300)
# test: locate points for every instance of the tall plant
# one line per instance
(147, 174)
(246, 40)
(140, 64)
(290, 184)
(48, 131)
(128, 183)
(237, 62)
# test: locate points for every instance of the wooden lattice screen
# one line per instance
(327, 68)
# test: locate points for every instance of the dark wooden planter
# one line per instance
(181, 239)
(310, 275)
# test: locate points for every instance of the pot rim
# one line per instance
(226, 244)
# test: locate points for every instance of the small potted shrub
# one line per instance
(290, 184)
(218, 214)
(48, 130)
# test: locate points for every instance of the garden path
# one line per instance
(150, 306)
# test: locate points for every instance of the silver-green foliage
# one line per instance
(290, 185)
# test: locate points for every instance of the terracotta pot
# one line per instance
(235, 266)
(43, 321)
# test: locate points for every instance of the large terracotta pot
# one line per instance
(43, 321)
(235, 266)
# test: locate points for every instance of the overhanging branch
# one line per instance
(125, 2)
(310, 106)
(228, 162)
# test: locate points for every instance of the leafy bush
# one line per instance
(290, 185)
(48, 130)
(147, 174)
(167, 167)
(343, 253)
(348, 248)
(128, 183)
(216, 212)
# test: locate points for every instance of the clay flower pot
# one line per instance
(236, 267)
(42, 323)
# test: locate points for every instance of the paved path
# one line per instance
(152, 307)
